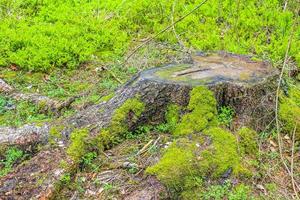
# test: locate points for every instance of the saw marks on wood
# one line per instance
(214, 68)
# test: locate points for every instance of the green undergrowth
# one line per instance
(11, 157)
(67, 34)
(203, 151)
(225, 115)
(17, 113)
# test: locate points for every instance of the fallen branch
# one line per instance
(292, 164)
(44, 103)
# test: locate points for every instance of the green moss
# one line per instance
(133, 107)
(107, 97)
(289, 112)
(78, 147)
(177, 163)
(222, 155)
(202, 107)
(247, 141)
(55, 134)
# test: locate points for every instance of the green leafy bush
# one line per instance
(42, 35)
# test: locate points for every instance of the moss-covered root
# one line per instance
(122, 120)
(202, 112)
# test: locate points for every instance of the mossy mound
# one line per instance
(125, 116)
(122, 120)
(202, 157)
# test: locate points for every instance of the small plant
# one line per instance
(87, 161)
(65, 179)
(12, 156)
(225, 115)
(162, 128)
(108, 186)
(217, 192)
(133, 170)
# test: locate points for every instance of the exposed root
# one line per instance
(36, 178)
(24, 136)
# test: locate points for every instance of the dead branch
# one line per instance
(292, 164)
(164, 30)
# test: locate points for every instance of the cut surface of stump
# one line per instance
(214, 69)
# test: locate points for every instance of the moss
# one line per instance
(172, 116)
(55, 134)
(289, 112)
(78, 147)
(42, 106)
(177, 163)
(247, 141)
(133, 107)
(107, 97)
(202, 107)
(222, 154)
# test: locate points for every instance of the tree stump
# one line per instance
(237, 81)
(246, 85)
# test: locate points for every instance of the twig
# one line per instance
(164, 30)
(144, 148)
(285, 5)
(173, 27)
(112, 74)
(292, 164)
(277, 101)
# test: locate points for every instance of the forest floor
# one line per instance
(119, 173)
